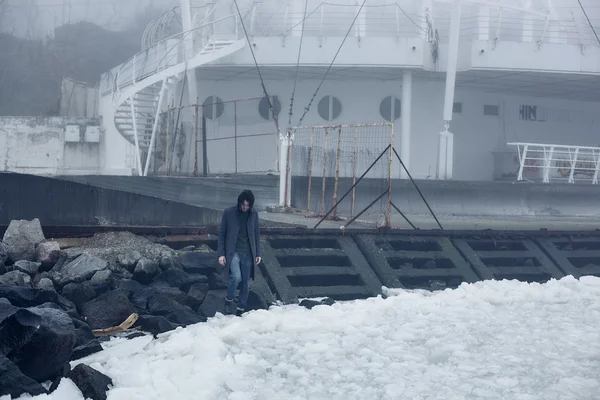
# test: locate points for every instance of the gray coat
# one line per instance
(228, 235)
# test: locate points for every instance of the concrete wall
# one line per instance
(214, 193)
(37, 145)
(451, 198)
(62, 203)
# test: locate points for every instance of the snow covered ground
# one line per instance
(488, 340)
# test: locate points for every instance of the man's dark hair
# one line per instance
(246, 195)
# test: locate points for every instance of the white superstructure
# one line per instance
(458, 78)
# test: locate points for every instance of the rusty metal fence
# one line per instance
(329, 162)
(216, 137)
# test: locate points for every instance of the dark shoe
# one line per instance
(229, 307)
(239, 311)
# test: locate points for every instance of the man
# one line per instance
(239, 248)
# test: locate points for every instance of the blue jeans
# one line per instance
(239, 271)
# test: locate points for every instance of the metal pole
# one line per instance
(288, 183)
(405, 134)
(204, 144)
(354, 171)
(195, 173)
(388, 217)
(324, 171)
(337, 170)
(235, 135)
(310, 164)
(155, 126)
(135, 137)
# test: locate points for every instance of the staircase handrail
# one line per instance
(121, 81)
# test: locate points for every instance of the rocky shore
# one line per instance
(58, 305)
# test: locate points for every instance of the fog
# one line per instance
(33, 19)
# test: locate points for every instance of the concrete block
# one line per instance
(415, 262)
(317, 266)
(516, 258)
(574, 256)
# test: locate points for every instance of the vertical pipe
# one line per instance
(235, 134)
(388, 217)
(155, 125)
(204, 144)
(446, 138)
(195, 173)
(337, 170)
(405, 134)
(310, 164)
(288, 175)
(167, 140)
(324, 171)
(138, 157)
(354, 170)
(282, 169)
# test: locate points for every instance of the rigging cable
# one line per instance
(297, 64)
(588, 20)
(262, 82)
(332, 61)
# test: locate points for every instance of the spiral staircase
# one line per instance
(141, 84)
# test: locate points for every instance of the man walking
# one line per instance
(239, 248)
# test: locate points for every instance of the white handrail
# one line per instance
(160, 64)
(567, 161)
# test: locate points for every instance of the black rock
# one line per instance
(173, 311)
(162, 305)
(83, 332)
(185, 316)
(49, 348)
(14, 383)
(17, 327)
(309, 303)
(80, 269)
(93, 384)
(140, 299)
(27, 297)
(129, 259)
(169, 263)
(3, 253)
(256, 301)
(86, 349)
(196, 295)
(3, 269)
(145, 271)
(103, 281)
(328, 301)
(199, 262)
(154, 324)
(213, 302)
(180, 279)
(21, 237)
(79, 293)
(110, 309)
(28, 267)
(130, 286)
(45, 283)
(69, 307)
(217, 280)
(18, 278)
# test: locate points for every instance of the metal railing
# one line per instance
(176, 49)
(499, 22)
(557, 162)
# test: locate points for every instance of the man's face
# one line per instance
(245, 206)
